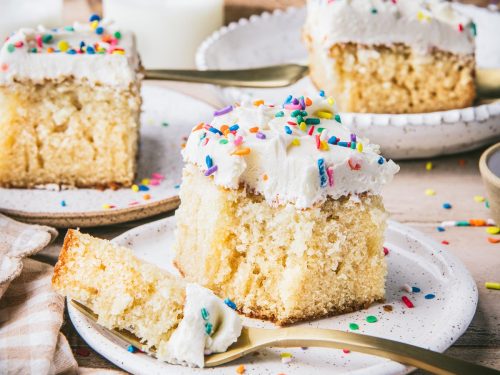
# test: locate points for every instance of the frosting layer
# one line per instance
(297, 153)
(421, 24)
(91, 51)
(208, 326)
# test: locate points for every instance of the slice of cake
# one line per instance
(379, 56)
(70, 104)
(280, 211)
(181, 321)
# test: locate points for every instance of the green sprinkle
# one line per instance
(34, 50)
(463, 224)
(473, 29)
(303, 113)
(487, 204)
(279, 114)
(337, 118)
(300, 119)
(11, 48)
(371, 319)
(353, 326)
(165, 124)
(208, 328)
(204, 313)
(374, 11)
(69, 28)
(295, 113)
(320, 130)
(47, 38)
(312, 121)
(223, 141)
(118, 35)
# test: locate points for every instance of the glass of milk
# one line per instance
(15, 14)
(168, 32)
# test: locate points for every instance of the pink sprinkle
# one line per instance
(311, 130)
(205, 141)
(157, 176)
(238, 140)
(293, 106)
(386, 251)
(407, 302)
(329, 172)
(133, 203)
(346, 351)
(155, 182)
(38, 39)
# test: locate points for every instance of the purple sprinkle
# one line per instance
(211, 170)
(295, 101)
(353, 137)
(260, 135)
(223, 111)
(302, 103)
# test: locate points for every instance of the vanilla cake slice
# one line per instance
(380, 56)
(281, 211)
(182, 321)
(70, 104)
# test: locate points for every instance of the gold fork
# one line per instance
(252, 339)
(487, 80)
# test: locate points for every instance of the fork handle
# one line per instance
(425, 359)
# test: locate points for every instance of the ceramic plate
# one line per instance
(413, 259)
(275, 38)
(166, 119)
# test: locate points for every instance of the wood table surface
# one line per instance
(455, 179)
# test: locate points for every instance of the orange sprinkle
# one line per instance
(493, 240)
(5, 67)
(224, 128)
(477, 222)
(240, 369)
(198, 127)
(183, 145)
(147, 196)
(254, 129)
(265, 177)
(308, 101)
(241, 151)
(106, 38)
(258, 102)
(50, 50)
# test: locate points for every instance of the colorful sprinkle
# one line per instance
(386, 251)
(11, 48)
(241, 151)
(63, 203)
(279, 114)
(132, 349)
(322, 172)
(211, 170)
(430, 192)
(371, 319)
(407, 302)
(329, 172)
(296, 142)
(387, 308)
(209, 161)
(63, 45)
(440, 229)
(230, 303)
(429, 296)
(223, 111)
(107, 206)
(286, 357)
(146, 197)
(260, 135)
(353, 326)
(493, 230)
(493, 240)
(208, 328)
(447, 206)
(240, 369)
(444, 242)
(288, 130)
(479, 198)
(492, 285)
(135, 188)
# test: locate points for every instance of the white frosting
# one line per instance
(420, 24)
(19, 61)
(190, 342)
(281, 171)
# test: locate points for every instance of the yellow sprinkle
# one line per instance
(286, 355)
(303, 126)
(324, 114)
(265, 177)
(63, 45)
(258, 102)
(145, 181)
(324, 146)
(106, 206)
(479, 198)
(94, 24)
(430, 192)
(118, 52)
(296, 142)
(241, 151)
(428, 166)
(493, 230)
(492, 285)
(135, 188)
(330, 100)
(147, 197)
(421, 16)
(360, 147)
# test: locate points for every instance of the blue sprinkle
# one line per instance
(353, 145)
(446, 206)
(279, 114)
(90, 50)
(415, 289)
(208, 328)
(143, 188)
(338, 119)
(99, 30)
(322, 93)
(204, 313)
(131, 349)
(288, 130)
(94, 17)
(288, 99)
(82, 44)
(71, 52)
(322, 172)
(381, 160)
(215, 130)
(234, 127)
(63, 203)
(343, 144)
(440, 229)
(209, 161)
(230, 303)
(332, 140)
(429, 296)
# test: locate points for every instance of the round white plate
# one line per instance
(272, 39)
(166, 119)
(413, 259)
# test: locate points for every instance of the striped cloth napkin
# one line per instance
(31, 313)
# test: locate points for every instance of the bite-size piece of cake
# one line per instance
(182, 321)
(405, 56)
(70, 105)
(281, 211)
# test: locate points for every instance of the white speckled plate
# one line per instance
(167, 117)
(275, 38)
(413, 259)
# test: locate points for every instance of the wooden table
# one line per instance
(455, 179)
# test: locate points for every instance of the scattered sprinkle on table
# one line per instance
(353, 326)
(493, 240)
(430, 192)
(240, 369)
(440, 229)
(447, 206)
(387, 308)
(429, 296)
(146, 197)
(386, 251)
(492, 285)
(63, 203)
(407, 302)
(371, 319)
(107, 206)
(164, 124)
(286, 357)
(428, 166)
(479, 198)
(493, 230)
(346, 351)
(415, 289)
(444, 242)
